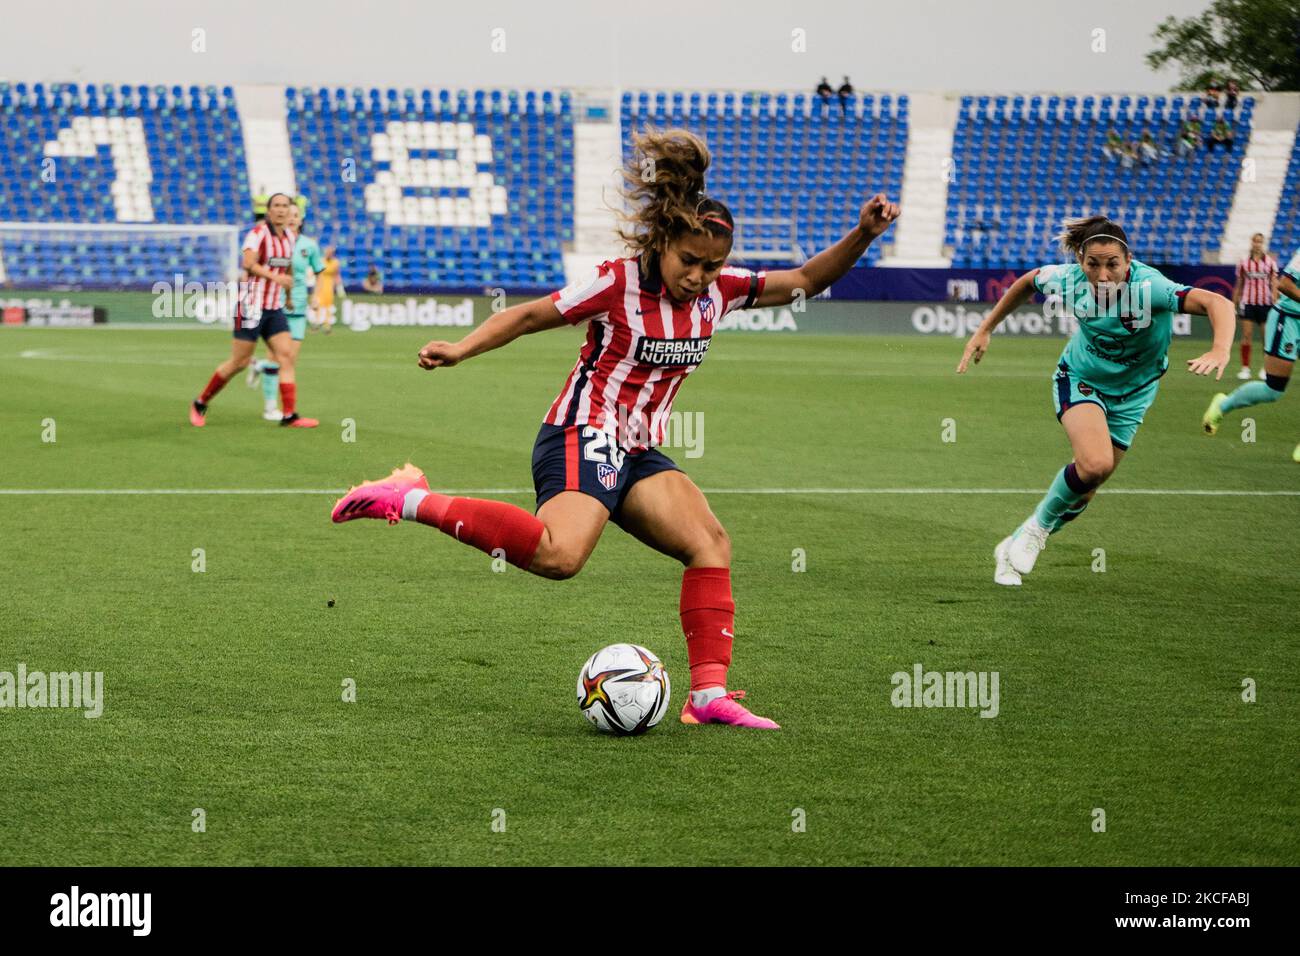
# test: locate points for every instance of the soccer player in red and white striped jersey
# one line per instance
(1255, 292)
(640, 345)
(267, 261)
(650, 321)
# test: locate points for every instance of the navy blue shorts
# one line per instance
(1255, 313)
(582, 458)
(272, 322)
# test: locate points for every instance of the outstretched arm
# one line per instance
(1016, 296)
(1222, 320)
(502, 329)
(816, 275)
(1288, 287)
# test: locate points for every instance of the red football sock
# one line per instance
(288, 398)
(708, 620)
(1245, 355)
(215, 384)
(486, 525)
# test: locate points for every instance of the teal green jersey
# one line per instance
(1121, 344)
(306, 259)
(1285, 304)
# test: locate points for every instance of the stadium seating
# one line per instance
(475, 189)
(1285, 237)
(110, 154)
(438, 189)
(797, 163)
(1022, 164)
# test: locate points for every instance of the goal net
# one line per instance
(59, 256)
(761, 241)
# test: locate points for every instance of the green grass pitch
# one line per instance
(1119, 690)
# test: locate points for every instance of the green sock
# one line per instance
(1252, 393)
(1062, 497)
(270, 382)
(1070, 515)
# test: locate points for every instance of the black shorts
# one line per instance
(272, 322)
(582, 458)
(1255, 313)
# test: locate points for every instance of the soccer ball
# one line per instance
(623, 689)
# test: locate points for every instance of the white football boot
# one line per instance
(1243, 375)
(1027, 542)
(1005, 574)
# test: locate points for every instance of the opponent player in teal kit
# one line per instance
(306, 260)
(1281, 342)
(1109, 372)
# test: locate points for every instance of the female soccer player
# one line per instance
(268, 248)
(651, 316)
(1281, 341)
(1253, 295)
(305, 262)
(1109, 372)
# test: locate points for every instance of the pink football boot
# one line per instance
(380, 499)
(725, 710)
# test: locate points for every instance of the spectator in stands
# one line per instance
(373, 282)
(824, 89)
(1114, 145)
(1222, 134)
(1211, 97)
(845, 91)
(1189, 137)
(1231, 95)
(1128, 156)
(1148, 149)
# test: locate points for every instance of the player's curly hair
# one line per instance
(1077, 233)
(663, 192)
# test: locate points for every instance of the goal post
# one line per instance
(764, 240)
(119, 256)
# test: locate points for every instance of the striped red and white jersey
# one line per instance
(1257, 280)
(640, 346)
(258, 294)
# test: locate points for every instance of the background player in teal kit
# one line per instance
(1109, 372)
(307, 261)
(1281, 342)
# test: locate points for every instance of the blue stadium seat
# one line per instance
(799, 158)
(194, 155)
(413, 227)
(1017, 178)
(1285, 237)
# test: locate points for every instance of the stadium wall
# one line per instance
(896, 284)
(455, 315)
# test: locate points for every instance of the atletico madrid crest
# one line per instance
(707, 309)
(608, 475)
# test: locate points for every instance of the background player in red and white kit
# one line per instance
(1254, 294)
(267, 258)
(650, 321)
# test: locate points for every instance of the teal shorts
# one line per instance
(1281, 334)
(297, 326)
(1123, 415)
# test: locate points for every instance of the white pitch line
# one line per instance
(1211, 493)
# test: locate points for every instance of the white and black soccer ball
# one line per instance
(623, 689)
